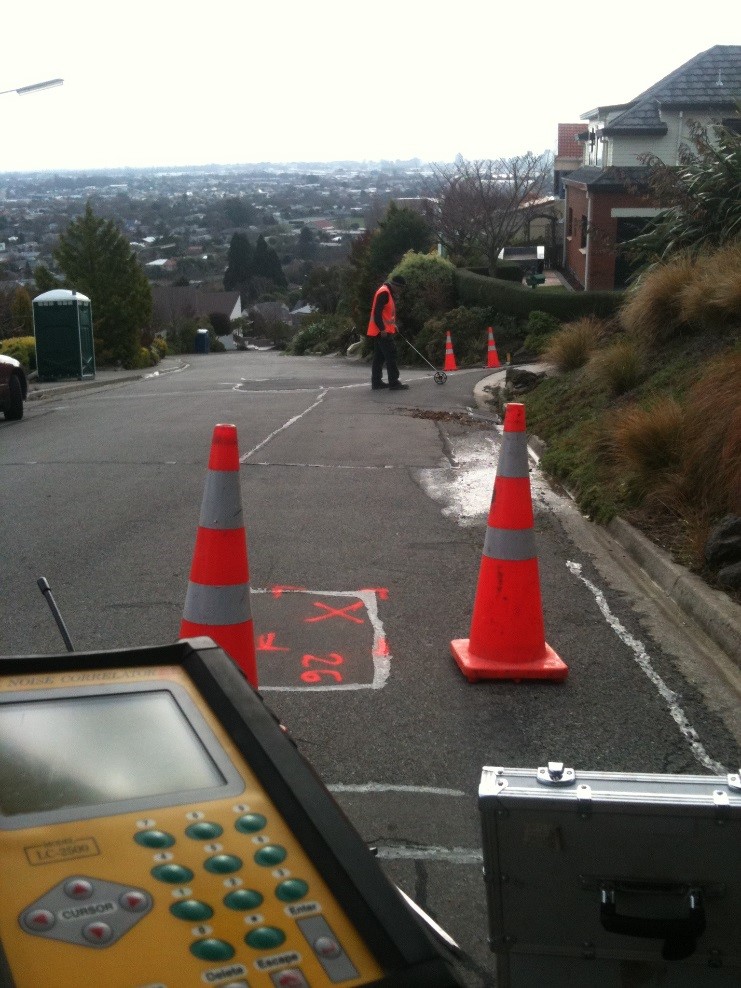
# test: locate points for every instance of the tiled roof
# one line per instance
(607, 178)
(711, 78)
(643, 116)
(173, 301)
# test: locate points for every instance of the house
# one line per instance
(569, 152)
(172, 302)
(608, 198)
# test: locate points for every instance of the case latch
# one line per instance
(554, 774)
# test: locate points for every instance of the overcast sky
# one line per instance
(154, 82)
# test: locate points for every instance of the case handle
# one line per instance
(679, 933)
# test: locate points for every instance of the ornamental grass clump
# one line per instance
(618, 368)
(646, 446)
(571, 347)
(712, 297)
(652, 313)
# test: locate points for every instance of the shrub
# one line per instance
(143, 358)
(711, 474)
(712, 296)
(23, 348)
(571, 347)
(538, 330)
(647, 446)
(159, 345)
(468, 332)
(429, 291)
(618, 368)
(652, 313)
(321, 335)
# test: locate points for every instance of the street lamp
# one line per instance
(34, 88)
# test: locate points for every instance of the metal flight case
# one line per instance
(612, 879)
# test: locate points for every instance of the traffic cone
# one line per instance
(217, 603)
(507, 640)
(492, 357)
(449, 364)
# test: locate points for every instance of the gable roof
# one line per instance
(173, 301)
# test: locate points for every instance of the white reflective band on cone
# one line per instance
(217, 605)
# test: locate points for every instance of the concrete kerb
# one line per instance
(711, 610)
(38, 390)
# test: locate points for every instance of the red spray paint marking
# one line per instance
(336, 612)
(266, 643)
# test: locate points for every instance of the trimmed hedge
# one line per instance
(476, 290)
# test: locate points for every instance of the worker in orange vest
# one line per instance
(382, 330)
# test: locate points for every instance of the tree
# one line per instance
(374, 257)
(306, 247)
(266, 263)
(700, 195)
(324, 287)
(21, 312)
(481, 203)
(238, 263)
(96, 260)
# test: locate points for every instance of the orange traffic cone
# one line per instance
(507, 640)
(492, 357)
(217, 603)
(450, 364)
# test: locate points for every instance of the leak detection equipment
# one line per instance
(159, 829)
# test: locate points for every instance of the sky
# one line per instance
(165, 84)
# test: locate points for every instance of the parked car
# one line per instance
(13, 387)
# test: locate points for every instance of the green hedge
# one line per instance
(477, 290)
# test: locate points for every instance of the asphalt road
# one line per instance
(355, 565)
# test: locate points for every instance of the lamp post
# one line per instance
(34, 88)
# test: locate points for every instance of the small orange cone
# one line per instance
(492, 357)
(450, 364)
(217, 603)
(507, 639)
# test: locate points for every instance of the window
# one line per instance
(570, 224)
(583, 243)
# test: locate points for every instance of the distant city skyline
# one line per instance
(160, 85)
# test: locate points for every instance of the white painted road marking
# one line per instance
(643, 660)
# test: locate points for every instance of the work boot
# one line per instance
(399, 386)
(377, 387)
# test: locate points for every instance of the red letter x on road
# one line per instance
(336, 612)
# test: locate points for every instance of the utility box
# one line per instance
(63, 328)
(203, 341)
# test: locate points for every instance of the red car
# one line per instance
(13, 387)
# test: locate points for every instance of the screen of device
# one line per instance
(89, 750)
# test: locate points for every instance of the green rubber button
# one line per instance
(245, 899)
(222, 864)
(172, 873)
(154, 838)
(212, 950)
(249, 823)
(204, 830)
(291, 889)
(265, 938)
(191, 909)
(271, 854)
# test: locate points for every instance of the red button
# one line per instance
(97, 932)
(134, 902)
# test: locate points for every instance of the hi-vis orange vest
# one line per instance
(388, 315)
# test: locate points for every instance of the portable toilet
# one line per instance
(63, 328)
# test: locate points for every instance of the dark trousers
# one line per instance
(384, 352)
